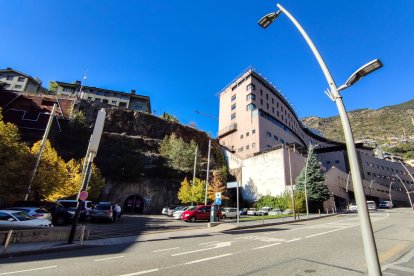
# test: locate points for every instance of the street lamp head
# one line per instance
(362, 72)
(266, 20)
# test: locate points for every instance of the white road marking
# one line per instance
(207, 242)
(141, 272)
(264, 239)
(208, 259)
(323, 233)
(402, 268)
(28, 270)
(106, 259)
(161, 250)
(293, 240)
(264, 246)
(218, 245)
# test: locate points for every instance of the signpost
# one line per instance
(218, 199)
(235, 185)
(83, 195)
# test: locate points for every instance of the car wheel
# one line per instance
(192, 219)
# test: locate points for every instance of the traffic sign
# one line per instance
(232, 184)
(218, 195)
(83, 195)
(218, 201)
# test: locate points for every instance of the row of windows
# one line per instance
(385, 168)
(388, 177)
(247, 147)
(113, 102)
(247, 134)
(16, 86)
(329, 162)
(240, 83)
(10, 78)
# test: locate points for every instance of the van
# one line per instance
(70, 205)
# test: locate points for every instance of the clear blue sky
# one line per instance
(182, 53)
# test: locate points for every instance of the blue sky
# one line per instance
(182, 53)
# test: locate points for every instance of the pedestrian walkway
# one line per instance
(39, 247)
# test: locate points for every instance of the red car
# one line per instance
(200, 212)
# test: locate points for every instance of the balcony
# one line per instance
(227, 130)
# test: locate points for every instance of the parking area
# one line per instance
(130, 225)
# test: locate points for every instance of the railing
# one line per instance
(227, 130)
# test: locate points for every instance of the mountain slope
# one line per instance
(380, 124)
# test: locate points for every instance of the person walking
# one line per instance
(118, 211)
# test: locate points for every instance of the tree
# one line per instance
(179, 154)
(192, 192)
(53, 87)
(51, 173)
(315, 180)
(184, 194)
(16, 163)
(217, 185)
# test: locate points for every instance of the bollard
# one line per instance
(319, 210)
(82, 234)
(262, 218)
(6, 243)
(333, 211)
(327, 211)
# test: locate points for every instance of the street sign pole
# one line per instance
(238, 209)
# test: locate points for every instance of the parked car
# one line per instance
(264, 211)
(287, 212)
(371, 205)
(70, 204)
(177, 214)
(171, 211)
(252, 212)
(352, 207)
(14, 219)
(243, 212)
(35, 212)
(166, 209)
(60, 214)
(200, 212)
(275, 211)
(103, 211)
(229, 212)
(386, 204)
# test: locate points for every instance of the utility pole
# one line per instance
(39, 155)
(208, 170)
(291, 185)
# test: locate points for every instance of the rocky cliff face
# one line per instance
(129, 156)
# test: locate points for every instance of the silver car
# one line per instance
(14, 219)
(35, 212)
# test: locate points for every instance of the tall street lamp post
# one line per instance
(370, 189)
(408, 193)
(346, 189)
(370, 249)
(389, 192)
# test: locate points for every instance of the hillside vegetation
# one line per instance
(382, 125)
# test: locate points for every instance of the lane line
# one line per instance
(297, 239)
(189, 252)
(141, 272)
(28, 270)
(161, 250)
(402, 268)
(323, 233)
(109, 258)
(207, 242)
(264, 246)
(208, 259)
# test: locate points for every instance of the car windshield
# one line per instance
(22, 216)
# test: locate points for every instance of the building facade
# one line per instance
(267, 145)
(131, 100)
(13, 80)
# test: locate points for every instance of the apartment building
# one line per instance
(13, 80)
(254, 116)
(267, 143)
(131, 100)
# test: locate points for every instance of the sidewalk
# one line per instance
(19, 249)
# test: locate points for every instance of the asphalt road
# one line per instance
(329, 246)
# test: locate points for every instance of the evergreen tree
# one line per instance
(315, 180)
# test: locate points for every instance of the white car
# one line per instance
(229, 212)
(352, 207)
(177, 214)
(14, 219)
(385, 204)
(371, 205)
(35, 212)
